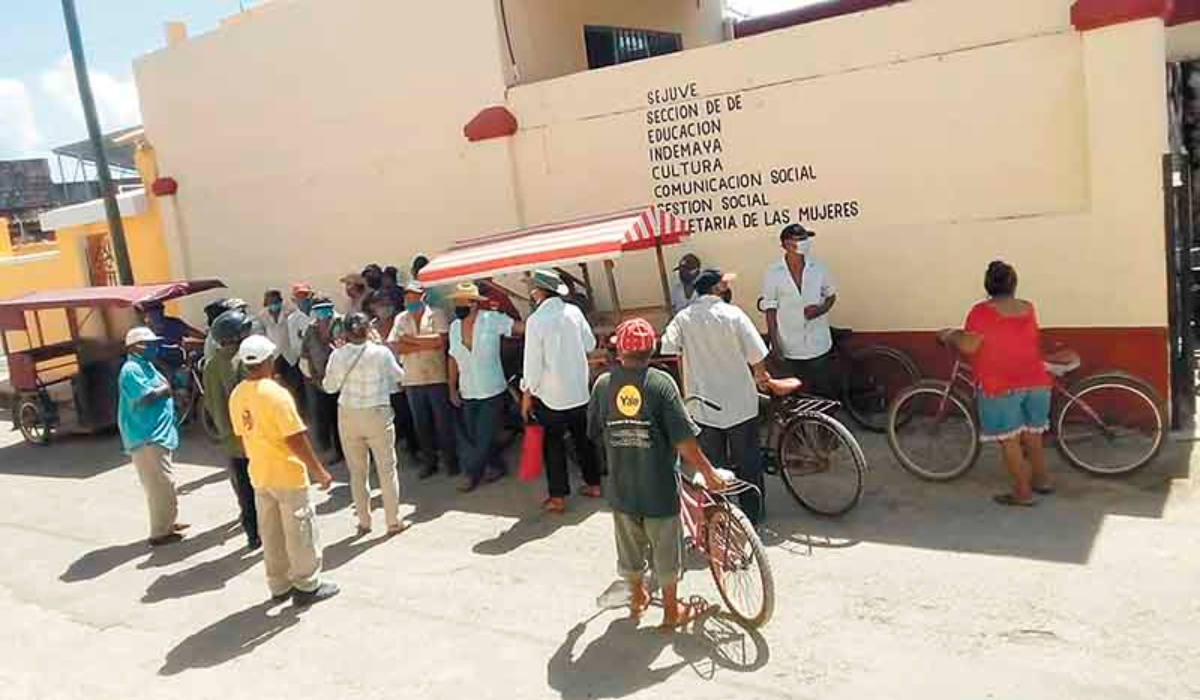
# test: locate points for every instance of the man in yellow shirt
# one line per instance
(282, 461)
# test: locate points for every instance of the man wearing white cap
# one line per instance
(282, 461)
(146, 417)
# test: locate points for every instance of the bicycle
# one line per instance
(821, 463)
(1106, 424)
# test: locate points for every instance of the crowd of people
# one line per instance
(397, 363)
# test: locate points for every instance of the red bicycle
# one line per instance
(1106, 424)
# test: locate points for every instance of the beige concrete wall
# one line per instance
(962, 130)
(547, 35)
(321, 135)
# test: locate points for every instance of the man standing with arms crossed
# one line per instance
(723, 358)
(557, 341)
(798, 294)
(146, 417)
(281, 463)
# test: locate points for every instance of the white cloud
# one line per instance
(116, 99)
(18, 129)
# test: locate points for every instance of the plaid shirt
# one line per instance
(367, 375)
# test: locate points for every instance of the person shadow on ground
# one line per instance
(229, 638)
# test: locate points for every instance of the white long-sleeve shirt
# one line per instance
(557, 341)
(297, 323)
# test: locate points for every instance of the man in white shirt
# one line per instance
(275, 326)
(365, 373)
(798, 294)
(556, 389)
(723, 360)
(683, 289)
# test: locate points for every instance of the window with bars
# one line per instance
(608, 46)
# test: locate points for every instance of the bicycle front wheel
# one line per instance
(933, 432)
(1110, 425)
(822, 464)
(739, 565)
(877, 375)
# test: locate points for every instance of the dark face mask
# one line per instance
(462, 312)
(727, 296)
(688, 276)
(305, 305)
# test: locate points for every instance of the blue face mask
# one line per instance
(413, 307)
(323, 314)
(304, 305)
(151, 351)
(275, 307)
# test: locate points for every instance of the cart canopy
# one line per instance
(592, 239)
(12, 311)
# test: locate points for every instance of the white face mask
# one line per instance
(799, 247)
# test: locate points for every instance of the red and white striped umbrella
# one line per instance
(554, 245)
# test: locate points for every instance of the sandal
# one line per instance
(1007, 499)
(592, 492)
(555, 505)
(636, 607)
(685, 613)
(398, 528)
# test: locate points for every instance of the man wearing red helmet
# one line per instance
(637, 414)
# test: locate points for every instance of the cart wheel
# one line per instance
(32, 423)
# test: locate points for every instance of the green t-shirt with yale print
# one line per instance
(638, 417)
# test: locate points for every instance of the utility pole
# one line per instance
(115, 229)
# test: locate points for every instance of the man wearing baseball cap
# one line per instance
(797, 294)
(282, 461)
(638, 416)
(723, 358)
(558, 339)
(146, 418)
(683, 290)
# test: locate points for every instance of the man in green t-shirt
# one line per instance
(637, 414)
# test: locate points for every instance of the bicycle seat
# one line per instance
(1062, 369)
(785, 386)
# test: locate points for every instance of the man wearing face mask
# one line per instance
(275, 326)
(146, 418)
(364, 374)
(420, 338)
(558, 339)
(383, 321)
(798, 293)
(477, 383)
(683, 289)
(298, 322)
(320, 337)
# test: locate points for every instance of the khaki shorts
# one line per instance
(654, 543)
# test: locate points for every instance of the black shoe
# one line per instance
(427, 471)
(453, 471)
(165, 539)
(306, 598)
(280, 597)
(253, 544)
(493, 475)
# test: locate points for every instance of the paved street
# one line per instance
(925, 591)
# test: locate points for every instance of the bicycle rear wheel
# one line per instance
(876, 375)
(1110, 425)
(933, 432)
(822, 464)
(739, 565)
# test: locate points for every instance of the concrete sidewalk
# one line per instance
(924, 591)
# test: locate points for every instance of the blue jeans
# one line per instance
(481, 429)
(434, 422)
(737, 449)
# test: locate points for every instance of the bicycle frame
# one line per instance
(694, 501)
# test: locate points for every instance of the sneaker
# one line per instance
(325, 591)
(280, 597)
(427, 471)
(253, 544)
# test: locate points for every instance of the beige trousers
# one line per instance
(287, 524)
(153, 463)
(371, 433)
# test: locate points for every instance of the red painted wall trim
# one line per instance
(491, 123)
(1094, 14)
(1142, 351)
(1185, 11)
(804, 15)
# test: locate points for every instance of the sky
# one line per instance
(39, 102)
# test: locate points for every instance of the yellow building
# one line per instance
(921, 139)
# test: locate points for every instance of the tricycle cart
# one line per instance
(65, 349)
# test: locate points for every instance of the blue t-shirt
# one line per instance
(480, 372)
(144, 425)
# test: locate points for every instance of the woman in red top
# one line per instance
(1002, 338)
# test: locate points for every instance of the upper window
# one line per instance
(608, 46)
